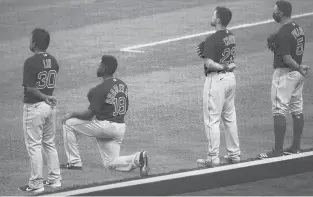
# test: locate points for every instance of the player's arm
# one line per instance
(29, 82)
(95, 98)
(209, 53)
(34, 91)
(213, 66)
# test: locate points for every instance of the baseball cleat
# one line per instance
(270, 154)
(291, 151)
(26, 188)
(143, 164)
(52, 185)
(70, 166)
(209, 162)
(232, 160)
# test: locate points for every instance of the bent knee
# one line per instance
(71, 121)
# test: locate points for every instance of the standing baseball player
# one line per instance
(218, 52)
(39, 113)
(104, 120)
(288, 79)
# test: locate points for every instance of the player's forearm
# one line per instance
(213, 66)
(291, 63)
(37, 93)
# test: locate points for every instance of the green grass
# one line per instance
(165, 83)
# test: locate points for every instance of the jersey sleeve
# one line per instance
(283, 41)
(95, 99)
(208, 51)
(29, 74)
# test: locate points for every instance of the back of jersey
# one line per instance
(109, 100)
(226, 45)
(220, 47)
(290, 41)
(297, 42)
(40, 71)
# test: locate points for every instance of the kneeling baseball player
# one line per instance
(104, 120)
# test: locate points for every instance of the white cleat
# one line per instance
(52, 185)
(209, 162)
(232, 160)
(26, 188)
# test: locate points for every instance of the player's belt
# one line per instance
(220, 72)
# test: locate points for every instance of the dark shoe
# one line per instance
(26, 188)
(70, 166)
(143, 162)
(270, 154)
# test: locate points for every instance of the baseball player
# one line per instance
(218, 52)
(288, 79)
(39, 113)
(104, 120)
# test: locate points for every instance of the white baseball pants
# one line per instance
(219, 104)
(109, 136)
(39, 132)
(286, 92)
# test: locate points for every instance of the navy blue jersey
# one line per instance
(40, 71)
(220, 47)
(109, 100)
(290, 41)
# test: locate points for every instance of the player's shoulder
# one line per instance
(287, 28)
(119, 81)
(211, 38)
(31, 61)
(228, 32)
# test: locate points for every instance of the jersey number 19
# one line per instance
(119, 106)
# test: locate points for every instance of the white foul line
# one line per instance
(133, 48)
(181, 175)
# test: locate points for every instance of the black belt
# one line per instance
(219, 72)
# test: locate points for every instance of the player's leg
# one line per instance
(32, 124)
(296, 108)
(92, 128)
(50, 151)
(281, 92)
(71, 146)
(213, 99)
(230, 121)
(110, 151)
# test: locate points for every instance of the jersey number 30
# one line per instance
(119, 106)
(46, 79)
(228, 56)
